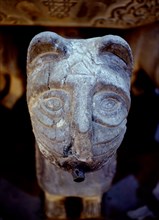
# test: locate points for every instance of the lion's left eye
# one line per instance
(109, 108)
(109, 104)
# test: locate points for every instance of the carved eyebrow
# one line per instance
(112, 88)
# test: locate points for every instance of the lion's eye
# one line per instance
(53, 104)
(108, 104)
(109, 108)
(52, 108)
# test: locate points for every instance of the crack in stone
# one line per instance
(49, 73)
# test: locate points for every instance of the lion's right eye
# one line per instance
(53, 104)
(52, 107)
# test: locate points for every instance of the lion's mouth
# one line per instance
(77, 169)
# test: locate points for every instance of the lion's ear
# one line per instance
(117, 46)
(44, 43)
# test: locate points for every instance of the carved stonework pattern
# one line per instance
(97, 13)
(59, 8)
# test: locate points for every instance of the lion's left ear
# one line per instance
(118, 46)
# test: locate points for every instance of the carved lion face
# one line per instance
(78, 97)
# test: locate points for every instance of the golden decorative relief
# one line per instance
(97, 13)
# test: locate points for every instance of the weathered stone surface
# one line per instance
(97, 13)
(78, 98)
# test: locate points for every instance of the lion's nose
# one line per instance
(82, 116)
(83, 123)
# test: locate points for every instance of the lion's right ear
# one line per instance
(46, 43)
